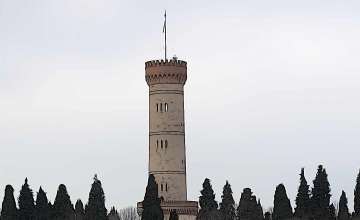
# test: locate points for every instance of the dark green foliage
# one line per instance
(267, 216)
(113, 214)
(357, 197)
(26, 203)
(302, 209)
(282, 206)
(210, 215)
(320, 200)
(227, 205)
(207, 198)
(151, 204)
(173, 215)
(42, 208)
(259, 211)
(343, 208)
(79, 210)
(249, 208)
(95, 209)
(9, 210)
(62, 208)
(332, 212)
(208, 204)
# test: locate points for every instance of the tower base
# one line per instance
(187, 210)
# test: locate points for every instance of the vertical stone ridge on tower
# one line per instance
(167, 152)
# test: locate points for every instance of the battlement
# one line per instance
(172, 62)
(165, 72)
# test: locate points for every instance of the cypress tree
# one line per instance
(151, 204)
(303, 198)
(113, 214)
(173, 215)
(332, 212)
(259, 211)
(227, 205)
(282, 206)
(357, 197)
(343, 208)
(42, 209)
(95, 209)
(62, 208)
(9, 210)
(249, 207)
(267, 216)
(207, 198)
(79, 210)
(208, 204)
(320, 200)
(26, 203)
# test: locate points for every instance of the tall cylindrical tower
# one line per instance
(167, 156)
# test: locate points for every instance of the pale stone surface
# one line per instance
(167, 154)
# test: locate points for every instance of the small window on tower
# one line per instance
(166, 107)
(166, 144)
(157, 107)
(161, 108)
(162, 187)
(162, 144)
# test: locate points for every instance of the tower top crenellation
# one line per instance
(172, 62)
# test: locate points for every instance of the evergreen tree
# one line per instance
(267, 216)
(9, 210)
(343, 208)
(303, 198)
(208, 204)
(95, 209)
(357, 197)
(113, 214)
(26, 203)
(79, 210)
(259, 211)
(151, 204)
(62, 208)
(332, 211)
(207, 198)
(282, 206)
(249, 208)
(227, 205)
(42, 209)
(320, 200)
(173, 215)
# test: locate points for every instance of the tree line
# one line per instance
(62, 208)
(310, 203)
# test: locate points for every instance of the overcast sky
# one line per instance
(272, 86)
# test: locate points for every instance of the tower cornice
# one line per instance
(165, 72)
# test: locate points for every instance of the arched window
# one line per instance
(166, 144)
(162, 187)
(162, 144)
(157, 107)
(166, 107)
(161, 108)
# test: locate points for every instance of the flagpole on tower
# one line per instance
(164, 31)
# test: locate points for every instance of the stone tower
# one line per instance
(167, 154)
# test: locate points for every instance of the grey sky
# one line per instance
(273, 86)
